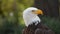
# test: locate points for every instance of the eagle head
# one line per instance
(30, 16)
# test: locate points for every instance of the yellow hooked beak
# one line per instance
(38, 12)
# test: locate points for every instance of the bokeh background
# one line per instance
(11, 21)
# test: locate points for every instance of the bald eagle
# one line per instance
(33, 22)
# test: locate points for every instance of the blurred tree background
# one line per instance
(11, 21)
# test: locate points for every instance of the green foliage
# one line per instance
(16, 7)
(10, 28)
(9, 22)
(52, 23)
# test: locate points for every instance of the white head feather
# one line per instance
(30, 17)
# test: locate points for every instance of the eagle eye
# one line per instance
(33, 10)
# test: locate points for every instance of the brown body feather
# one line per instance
(37, 29)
